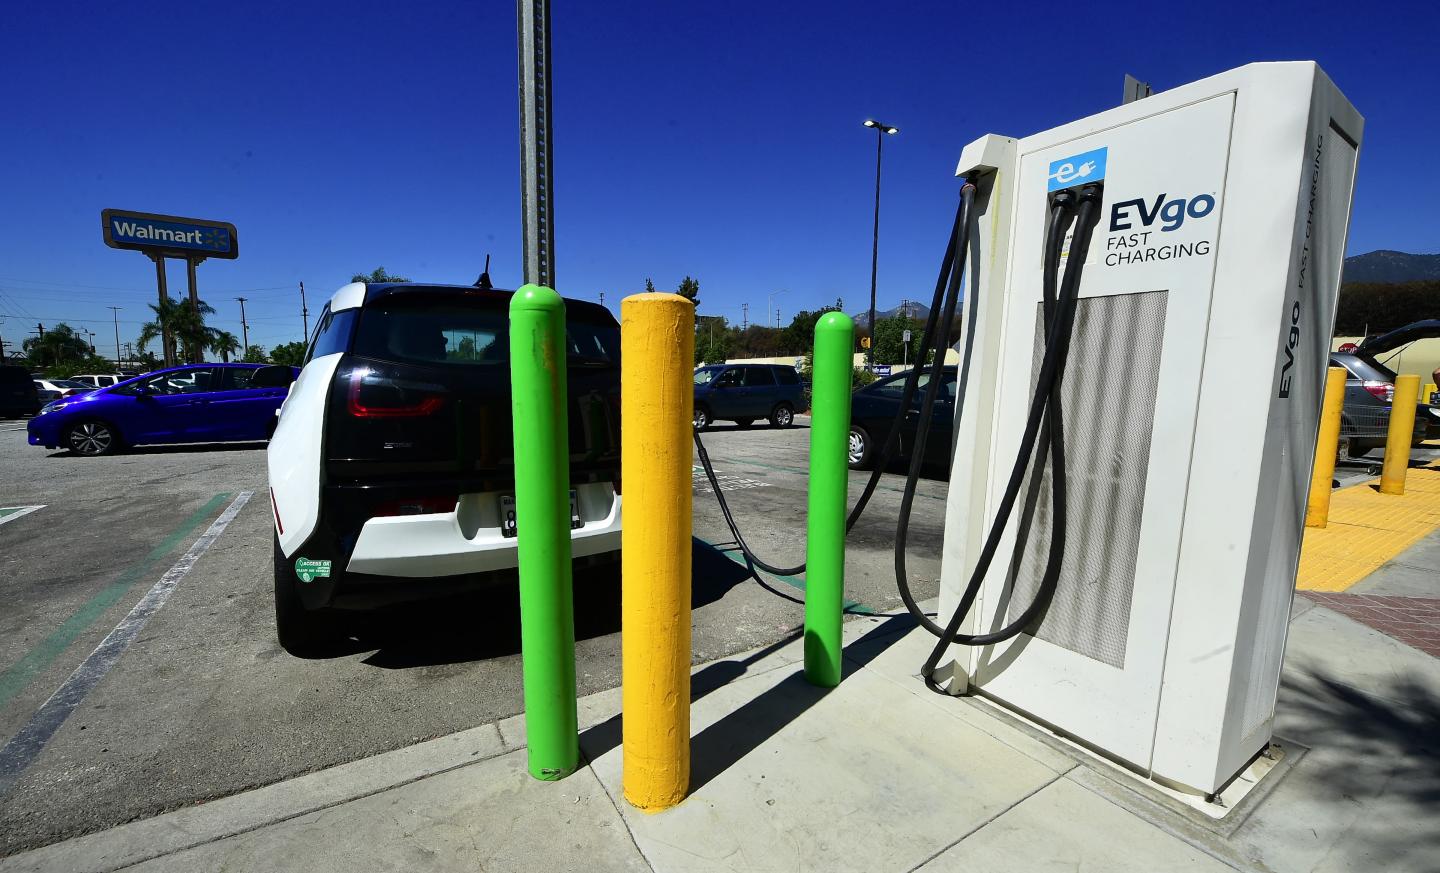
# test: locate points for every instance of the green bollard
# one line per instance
(542, 513)
(829, 494)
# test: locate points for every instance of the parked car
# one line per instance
(99, 380)
(63, 387)
(744, 392)
(18, 393)
(1365, 417)
(202, 403)
(1402, 336)
(873, 409)
(392, 470)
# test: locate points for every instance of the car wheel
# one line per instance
(783, 415)
(744, 422)
(92, 438)
(702, 419)
(861, 447)
(304, 633)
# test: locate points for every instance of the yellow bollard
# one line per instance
(657, 394)
(1317, 513)
(1397, 440)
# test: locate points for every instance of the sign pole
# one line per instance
(166, 340)
(197, 353)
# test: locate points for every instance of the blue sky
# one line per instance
(722, 140)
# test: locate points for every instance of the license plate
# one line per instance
(508, 525)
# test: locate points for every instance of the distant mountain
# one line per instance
(914, 309)
(1389, 266)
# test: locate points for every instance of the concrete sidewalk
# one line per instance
(879, 774)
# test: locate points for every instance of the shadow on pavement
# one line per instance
(486, 624)
(1384, 742)
(716, 748)
(184, 449)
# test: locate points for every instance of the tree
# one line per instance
(60, 345)
(712, 340)
(288, 354)
(177, 322)
(224, 344)
(255, 355)
(649, 286)
(799, 337)
(1376, 307)
(377, 276)
(690, 290)
(889, 340)
(757, 341)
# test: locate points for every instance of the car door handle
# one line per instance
(196, 402)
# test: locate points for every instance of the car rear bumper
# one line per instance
(469, 539)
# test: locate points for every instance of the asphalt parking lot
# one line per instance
(203, 703)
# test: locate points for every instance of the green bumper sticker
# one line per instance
(309, 570)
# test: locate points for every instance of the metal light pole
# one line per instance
(770, 306)
(537, 189)
(881, 131)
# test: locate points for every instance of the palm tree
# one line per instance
(59, 344)
(176, 321)
(224, 344)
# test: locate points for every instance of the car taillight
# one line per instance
(73, 391)
(1382, 390)
(385, 399)
(417, 505)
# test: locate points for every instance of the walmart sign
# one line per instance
(169, 234)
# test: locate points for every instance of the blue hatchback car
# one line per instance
(200, 403)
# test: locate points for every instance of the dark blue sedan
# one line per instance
(201, 403)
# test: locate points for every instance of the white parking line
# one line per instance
(10, 513)
(24, 746)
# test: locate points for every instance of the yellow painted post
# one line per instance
(657, 349)
(1317, 513)
(1397, 440)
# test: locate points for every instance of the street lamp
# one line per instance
(881, 130)
(770, 306)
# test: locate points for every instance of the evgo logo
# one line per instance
(1077, 170)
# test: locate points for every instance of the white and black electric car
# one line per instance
(392, 463)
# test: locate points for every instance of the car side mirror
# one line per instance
(142, 391)
(275, 376)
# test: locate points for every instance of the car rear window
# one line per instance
(1364, 367)
(787, 375)
(465, 333)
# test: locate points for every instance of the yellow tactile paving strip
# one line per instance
(1367, 529)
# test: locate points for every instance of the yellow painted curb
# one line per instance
(1367, 529)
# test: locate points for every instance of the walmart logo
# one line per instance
(1077, 170)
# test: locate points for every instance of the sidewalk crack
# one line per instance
(590, 765)
(970, 833)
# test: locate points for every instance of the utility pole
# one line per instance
(537, 189)
(744, 316)
(244, 329)
(304, 316)
(777, 316)
(602, 298)
(115, 316)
